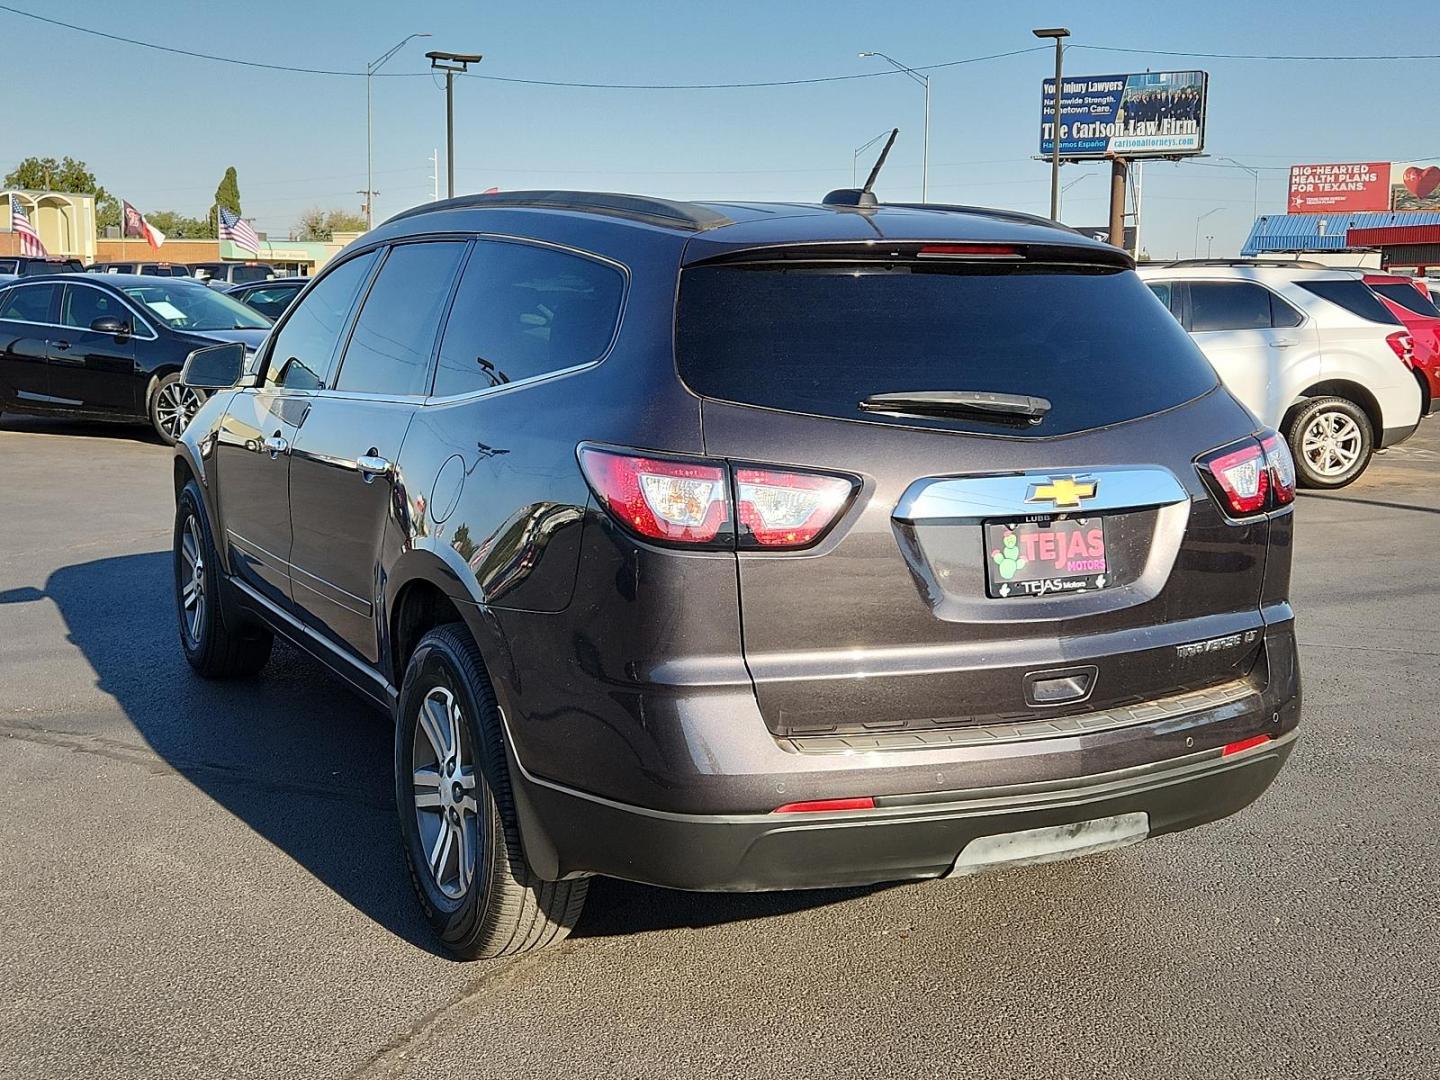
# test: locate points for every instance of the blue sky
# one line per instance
(160, 129)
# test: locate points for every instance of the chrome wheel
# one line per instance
(191, 575)
(1332, 444)
(444, 792)
(175, 406)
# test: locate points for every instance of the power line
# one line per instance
(1250, 56)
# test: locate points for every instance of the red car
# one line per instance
(1408, 303)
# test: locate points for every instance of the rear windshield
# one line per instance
(1354, 296)
(1096, 343)
(241, 274)
(1408, 297)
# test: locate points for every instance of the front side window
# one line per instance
(30, 304)
(389, 352)
(523, 311)
(81, 306)
(189, 306)
(305, 344)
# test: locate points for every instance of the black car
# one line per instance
(271, 298)
(748, 546)
(13, 266)
(148, 269)
(110, 347)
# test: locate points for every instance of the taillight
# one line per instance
(1403, 345)
(661, 498)
(1251, 476)
(1282, 469)
(779, 509)
(689, 501)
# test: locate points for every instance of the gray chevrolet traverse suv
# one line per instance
(747, 546)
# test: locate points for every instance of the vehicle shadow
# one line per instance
(303, 761)
(138, 431)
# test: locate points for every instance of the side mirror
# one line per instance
(108, 324)
(216, 367)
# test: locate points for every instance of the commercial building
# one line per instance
(1403, 240)
(65, 222)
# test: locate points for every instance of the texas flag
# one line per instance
(136, 225)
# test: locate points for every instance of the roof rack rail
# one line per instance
(668, 213)
(1303, 264)
(1017, 216)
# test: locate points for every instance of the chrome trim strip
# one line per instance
(269, 558)
(971, 499)
(331, 593)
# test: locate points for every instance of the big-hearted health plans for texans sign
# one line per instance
(1155, 114)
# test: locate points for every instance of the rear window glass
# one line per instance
(1097, 344)
(1408, 297)
(242, 274)
(1354, 296)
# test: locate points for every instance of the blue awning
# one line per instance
(1300, 233)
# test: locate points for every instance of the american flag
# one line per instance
(29, 239)
(238, 231)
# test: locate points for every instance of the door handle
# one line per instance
(275, 445)
(1283, 343)
(62, 345)
(371, 465)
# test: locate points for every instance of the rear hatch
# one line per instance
(1058, 558)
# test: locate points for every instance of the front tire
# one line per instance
(213, 648)
(457, 813)
(1331, 440)
(172, 406)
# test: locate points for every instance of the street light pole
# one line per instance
(1198, 220)
(1209, 239)
(370, 70)
(855, 157)
(923, 80)
(1255, 176)
(1059, 34)
(1066, 187)
(450, 63)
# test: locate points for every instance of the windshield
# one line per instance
(1096, 344)
(1408, 297)
(185, 305)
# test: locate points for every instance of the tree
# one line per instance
(322, 225)
(179, 226)
(226, 195)
(47, 174)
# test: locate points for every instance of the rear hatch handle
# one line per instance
(961, 402)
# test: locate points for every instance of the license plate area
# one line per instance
(1046, 555)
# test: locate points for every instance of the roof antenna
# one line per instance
(863, 198)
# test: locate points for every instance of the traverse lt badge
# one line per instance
(1064, 492)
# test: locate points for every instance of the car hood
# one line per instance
(251, 339)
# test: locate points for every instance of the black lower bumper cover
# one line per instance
(755, 852)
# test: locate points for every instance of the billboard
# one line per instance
(1322, 189)
(1155, 114)
(1415, 185)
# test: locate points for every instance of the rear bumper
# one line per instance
(1394, 436)
(902, 838)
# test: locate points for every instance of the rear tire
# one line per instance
(457, 813)
(213, 648)
(1331, 440)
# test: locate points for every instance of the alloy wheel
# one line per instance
(175, 406)
(444, 792)
(1331, 444)
(192, 580)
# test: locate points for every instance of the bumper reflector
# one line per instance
(1244, 744)
(822, 806)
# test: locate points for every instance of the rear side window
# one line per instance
(1408, 297)
(523, 311)
(1354, 296)
(820, 339)
(30, 304)
(389, 352)
(305, 345)
(1228, 305)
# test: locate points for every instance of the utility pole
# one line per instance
(1119, 170)
(1059, 34)
(370, 70)
(450, 63)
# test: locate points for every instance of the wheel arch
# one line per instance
(1341, 388)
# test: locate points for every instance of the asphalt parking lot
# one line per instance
(204, 880)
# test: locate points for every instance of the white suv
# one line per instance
(1312, 352)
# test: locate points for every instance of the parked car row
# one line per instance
(1341, 362)
(216, 274)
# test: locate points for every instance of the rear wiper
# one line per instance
(959, 402)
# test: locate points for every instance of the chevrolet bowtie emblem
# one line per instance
(1063, 491)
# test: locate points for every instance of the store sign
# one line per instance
(1154, 114)
(1323, 189)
